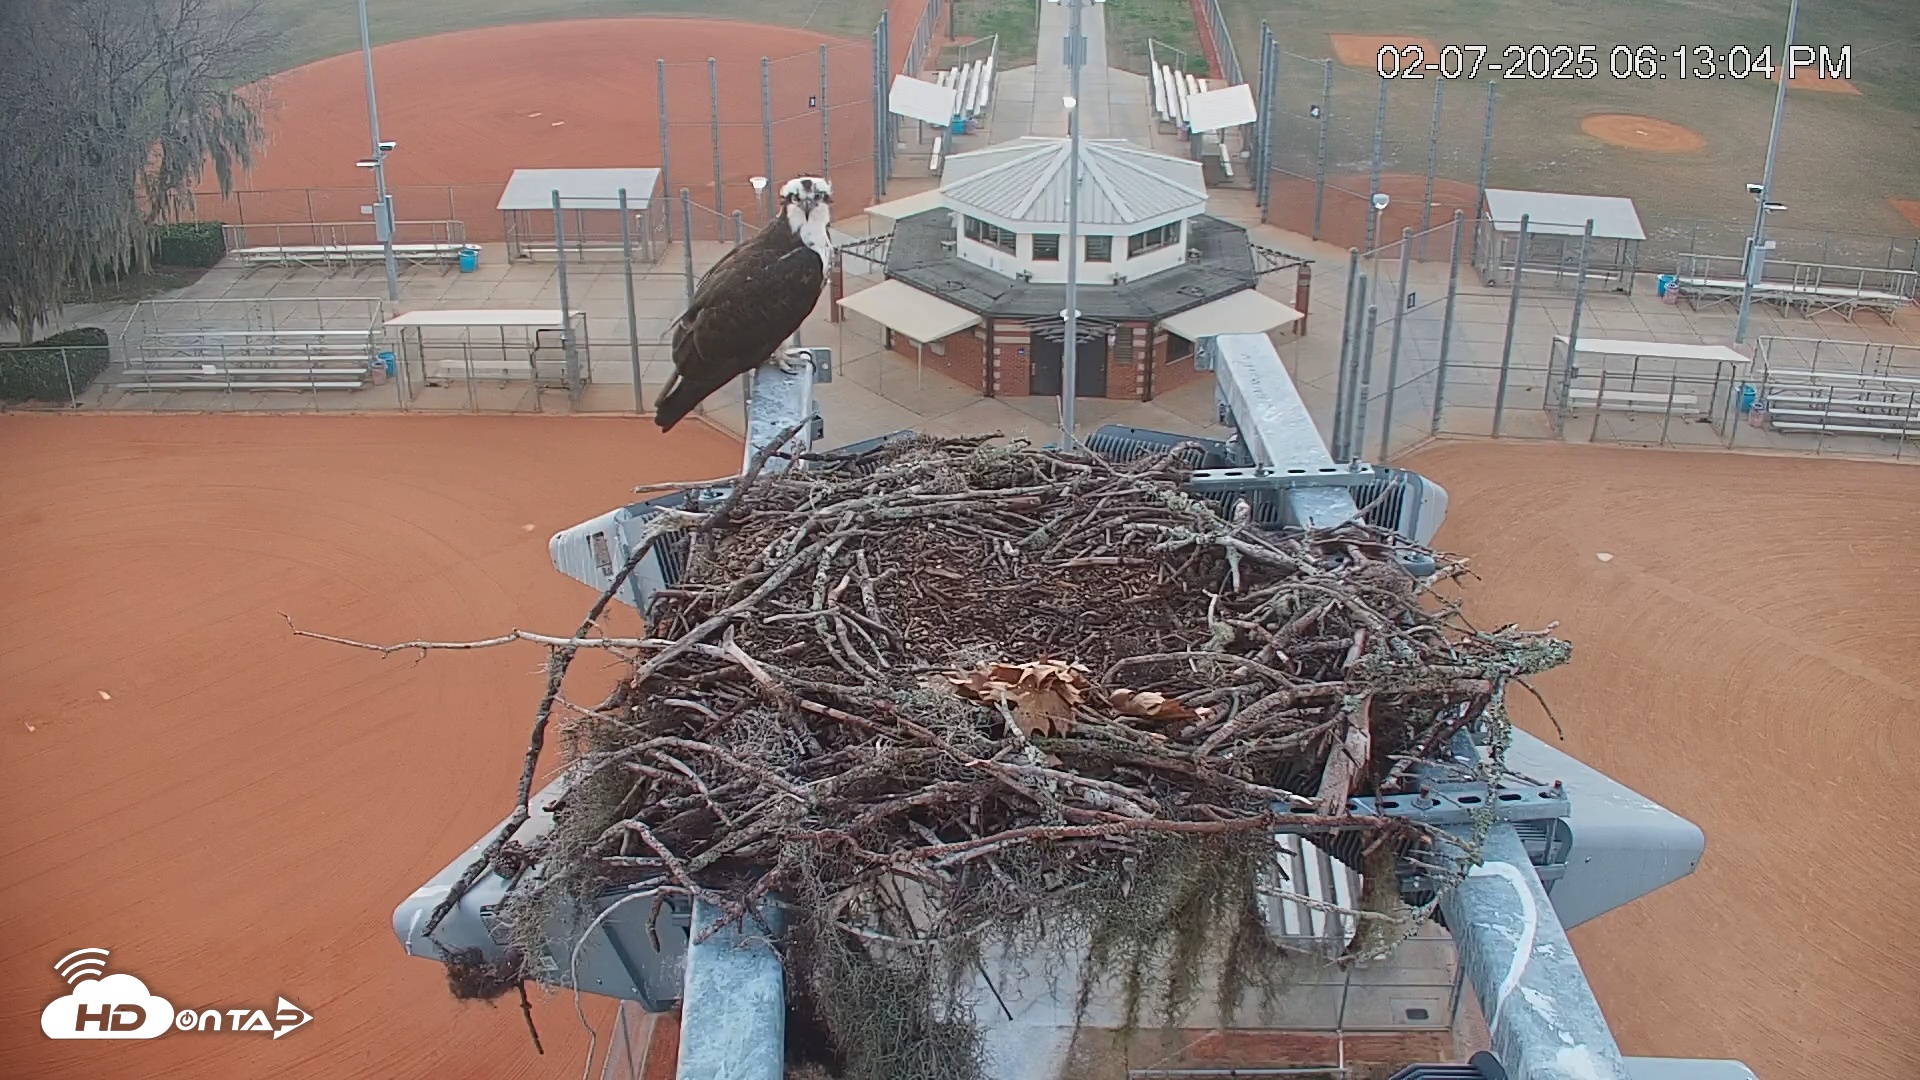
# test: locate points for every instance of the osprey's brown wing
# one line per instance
(745, 309)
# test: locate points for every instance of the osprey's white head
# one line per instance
(808, 203)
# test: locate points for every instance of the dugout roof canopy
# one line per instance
(1561, 214)
(1245, 312)
(580, 189)
(1655, 350)
(538, 318)
(906, 310)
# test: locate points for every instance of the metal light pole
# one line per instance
(1070, 349)
(383, 206)
(1754, 248)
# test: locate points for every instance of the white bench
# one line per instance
(1858, 378)
(310, 384)
(338, 254)
(1812, 299)
(939, 145)
(1226, 161)
(1633, 400)
(1844, 429)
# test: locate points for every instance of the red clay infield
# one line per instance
(238, 821)
(468, 108)
(1746, 661)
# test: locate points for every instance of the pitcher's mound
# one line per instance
(1363, 50)
(1642, 133)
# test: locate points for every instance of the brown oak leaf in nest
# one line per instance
(1039, 694)
(1151, 705)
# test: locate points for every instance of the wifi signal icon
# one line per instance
(82, 964)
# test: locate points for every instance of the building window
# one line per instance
(987, 233)
(1123, 347)
(1046, 247)
(1099, 249)
(1153, 239)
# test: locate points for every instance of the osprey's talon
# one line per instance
(791, 360)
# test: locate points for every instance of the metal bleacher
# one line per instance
(972, 84)
(1171, 89)
(240, 345)
(329, 244)
(1810, 401)
(1808, 288)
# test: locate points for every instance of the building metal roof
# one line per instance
(920, 255)
(1025, 182)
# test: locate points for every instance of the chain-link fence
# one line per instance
(1422, 356)
(1340, 135)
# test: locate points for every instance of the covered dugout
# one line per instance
(1555, 222)
(505, 345)
(589, 218)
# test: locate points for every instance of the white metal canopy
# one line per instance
(918, 99)
(1244, 312)
(538, 318)
(580, 189)
(906, 310)
(907, 206)
(1614, 218)
(1227, 107)
(1655, 350)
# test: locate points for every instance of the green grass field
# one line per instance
(311, 31)
(1130, 24)
(1842, 155)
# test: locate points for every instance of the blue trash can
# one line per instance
(469, 259)
(1748, 395)
(1665, 284)
(386, 362)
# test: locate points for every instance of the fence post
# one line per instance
(1393, 347)
(1446, 324)
(1266, 124)
(1338, 442)
(1433, 163)
(572, 359)
(666, 158)
(1513, 314)
(1486, 155)
(1349, 445)
(739, 229)
(1373, 183)
(1258, 164)
(766, 130)
(826, 144)
(66, 369)
(686, 230)
(875, 87)
(633, 318)
(1366, 378)
(1320, 174)
(1573, 329)
(713, 122)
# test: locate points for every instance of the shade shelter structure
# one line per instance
(1244, 312)
(590, 209)
(1637, 385)
(1549, 252)
(501, 345)
(917, 316)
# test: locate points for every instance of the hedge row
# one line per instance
(189, 243)
(40, 372)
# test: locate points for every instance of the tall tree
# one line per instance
(113, 111)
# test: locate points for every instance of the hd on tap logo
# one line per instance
(119, 1006)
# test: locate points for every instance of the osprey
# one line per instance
(752, 300)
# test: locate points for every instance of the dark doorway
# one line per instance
(1090, 365)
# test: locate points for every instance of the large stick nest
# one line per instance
(925, 693)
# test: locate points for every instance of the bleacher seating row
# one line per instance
(1841, 402)
(972, 84)
(1810, 288)
(1171, 89)
(251, 359)
(331, 255)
